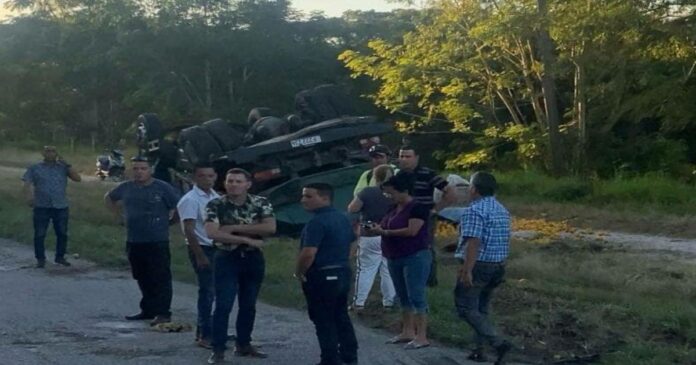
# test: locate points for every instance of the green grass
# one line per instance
(646, 193)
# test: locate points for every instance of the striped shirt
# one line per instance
(423, 182)
(489, 221)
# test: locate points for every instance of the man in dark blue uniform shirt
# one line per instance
(323, 269)
(147, 204)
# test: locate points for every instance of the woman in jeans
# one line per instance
(405, 244)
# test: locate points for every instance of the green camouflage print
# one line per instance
(223, 212)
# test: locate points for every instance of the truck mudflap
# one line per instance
(285, 198)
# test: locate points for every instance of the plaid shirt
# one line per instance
(489, 221)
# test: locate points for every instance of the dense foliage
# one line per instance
(623, 74)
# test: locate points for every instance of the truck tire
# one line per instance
(225, 134)
(267, 128)
(322, 103)
(259, 112)
(149, 128)
(198, 145)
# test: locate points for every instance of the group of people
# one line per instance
(225, 236)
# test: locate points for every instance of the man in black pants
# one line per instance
(148, 205)
(323, 269)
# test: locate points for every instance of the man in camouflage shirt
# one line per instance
(237, 223)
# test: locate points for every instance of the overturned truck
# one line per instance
(322, 141)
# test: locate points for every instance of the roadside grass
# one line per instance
(83, 158)
(648, 193)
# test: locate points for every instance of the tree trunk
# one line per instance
(208, 89)
(548, 85)
(580, 106)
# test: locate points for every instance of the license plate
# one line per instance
(305, 142)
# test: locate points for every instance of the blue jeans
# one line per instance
(240, 273)
(473, 303)
(42, 217)
(206, 293)
(410, 276)
(326, 292)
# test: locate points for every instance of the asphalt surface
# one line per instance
(74, 315)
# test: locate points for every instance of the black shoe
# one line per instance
(477, 355)
(249, 351)
(502, 350)
(62, 261)
(217, 357)
(139, 317)
(40, 264)
(160, 319)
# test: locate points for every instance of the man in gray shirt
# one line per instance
(44, 190)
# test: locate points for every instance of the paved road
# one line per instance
(74, 316)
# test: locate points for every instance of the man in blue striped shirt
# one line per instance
(483, 248)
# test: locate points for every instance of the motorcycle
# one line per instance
(112, 165)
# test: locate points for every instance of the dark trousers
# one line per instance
(150, 263)
(326, 292)
(237, 273)
(473, 303)
(206, 292)
(42, 217)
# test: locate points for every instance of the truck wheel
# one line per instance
(199, 146)
(267, 128)
(227, 136)
(258, 113)
(149, 128)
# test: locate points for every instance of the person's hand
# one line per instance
(254, 242)
(465, 277)
(375, 229)
(300, 277)
(202, 261)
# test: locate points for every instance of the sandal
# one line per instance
(413, 345)
(398, 339)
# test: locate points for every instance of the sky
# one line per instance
(329, 7)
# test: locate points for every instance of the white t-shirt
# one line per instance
(192, 206)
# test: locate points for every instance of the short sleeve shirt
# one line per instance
(49, 181)
(489, 221)
(375, 204)
(394, 247)
(224, 212)
(147, 209)
(423, 182)
(192, 206)
(331, 232)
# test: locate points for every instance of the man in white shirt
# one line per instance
(201, 250)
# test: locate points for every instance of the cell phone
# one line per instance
(367, 225)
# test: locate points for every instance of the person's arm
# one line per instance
(449, 197)
(471, 232)
(304, 261)
(419, 215)
(465, 274)
(189, 227)
(212, 229)
(355, 205)
(312, 237)
(188, 212)
(362, 182)
(112, 201)
(72, 173)
(414, 226)
(265, 228)
(28, 191)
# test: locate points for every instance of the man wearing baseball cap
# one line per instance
(379, 155)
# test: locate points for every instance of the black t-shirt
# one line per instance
(423, 182)
(375, 204)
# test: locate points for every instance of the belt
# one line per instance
(329, 267)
